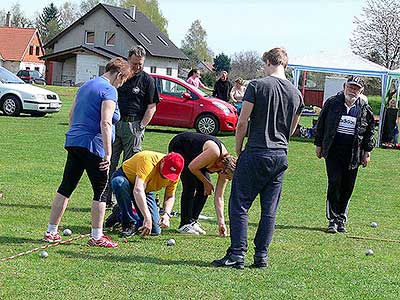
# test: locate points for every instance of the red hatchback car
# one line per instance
(183, 105)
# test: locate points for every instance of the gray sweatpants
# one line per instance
(128, 139)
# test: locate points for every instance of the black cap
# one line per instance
(356, 80)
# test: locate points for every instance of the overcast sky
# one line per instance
(301, 26)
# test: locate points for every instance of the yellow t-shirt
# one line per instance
(146, 165)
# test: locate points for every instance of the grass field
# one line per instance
(305, 262)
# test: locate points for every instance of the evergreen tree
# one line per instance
(222, 63)
(48, 23)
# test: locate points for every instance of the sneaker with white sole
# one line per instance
(187, 229)
(196, 226)
(50, 237)
(104, 241)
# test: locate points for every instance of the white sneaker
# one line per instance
(187, 229)
(196, 226)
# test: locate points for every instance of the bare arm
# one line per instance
(295, 122)
(107, 111)
(241, 127)
(140, 198)
(148, 115)
(169, 200)
(219, 203)
(71, 112)
(208, 156)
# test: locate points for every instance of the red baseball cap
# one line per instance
(173, 165)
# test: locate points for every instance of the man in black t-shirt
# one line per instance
(274, 106)
(137, 100)
(223, 87)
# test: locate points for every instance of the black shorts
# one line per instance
(78, 160)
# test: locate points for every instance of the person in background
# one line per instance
(237, 93)
(222, 87)
(345, 138)
(88, 143)
(274, 106)
(203, 154)
(194, 79)
(135, 182)
(137, 100)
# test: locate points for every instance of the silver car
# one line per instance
(16, 96)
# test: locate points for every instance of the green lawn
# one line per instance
(306, 263)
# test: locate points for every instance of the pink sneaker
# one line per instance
(51, 237)
(104, 241)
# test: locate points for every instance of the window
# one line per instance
(153, 69)
(102, 70)
(30, 50)
(145, 37)
(169, 71)
(162, 41)
(37, 51)
(110, 38)
(172, 88)
(89, 37)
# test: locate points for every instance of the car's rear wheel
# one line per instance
(207, 124)
(11, 106)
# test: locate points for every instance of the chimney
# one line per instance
(8, 20)
(132, 12)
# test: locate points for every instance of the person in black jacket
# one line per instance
(344, 137)
(223, 87)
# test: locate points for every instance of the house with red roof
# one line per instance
(20, 49)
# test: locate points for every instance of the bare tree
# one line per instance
(377, 33)
(69, 13)
(247, 65)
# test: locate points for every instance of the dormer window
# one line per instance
(145, 37)
(110, 38)
(89, 37)
(162, 41)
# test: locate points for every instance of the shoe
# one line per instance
(229, 261)
(188, 229)
(260, 262)
(104, 241)
(341, 227)
(113, 219)
(128, 230)
(196, 226)
(332, 227)
(51, 237)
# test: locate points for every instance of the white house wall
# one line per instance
(100, 23)
(69, 71)
(87, 67)
(161, 65)
(32, 66)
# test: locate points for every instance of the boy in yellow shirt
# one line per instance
(139, 176)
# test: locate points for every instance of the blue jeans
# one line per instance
(123, 191)
(258, 172)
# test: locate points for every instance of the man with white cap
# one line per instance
(344, 137)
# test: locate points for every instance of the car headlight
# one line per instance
(222, 107)
(41, 97)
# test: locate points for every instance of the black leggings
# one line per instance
(193, 198)
(78, 160)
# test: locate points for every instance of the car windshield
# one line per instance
(8, 77)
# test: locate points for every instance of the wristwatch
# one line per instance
(142, 127)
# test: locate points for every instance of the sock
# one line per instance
(97, 233)
(51, 228)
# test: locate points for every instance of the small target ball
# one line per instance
(67, 232)
(171, 242)
(43, 254)
(374, 224)
(369, 252)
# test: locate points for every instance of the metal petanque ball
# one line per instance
(369, 252)
(374, 224)
(171, 242)
(43, 254)
(67, 232)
